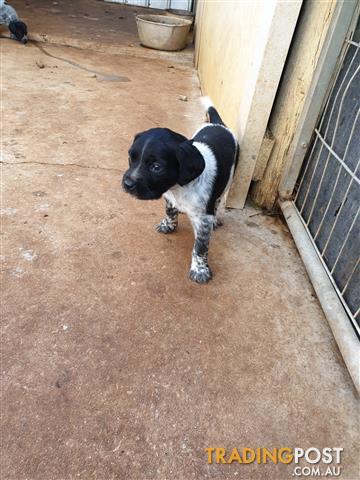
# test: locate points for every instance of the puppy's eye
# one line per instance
(155, 167)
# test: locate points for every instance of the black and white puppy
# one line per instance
(9, 17)
(192, 175)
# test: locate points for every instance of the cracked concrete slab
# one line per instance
(113, 364)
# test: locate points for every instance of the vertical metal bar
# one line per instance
(337, 217)
(306, 168)
(344, 242)
(337, 178)
(350, 277)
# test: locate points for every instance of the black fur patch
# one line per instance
(222, 144)
(19, 30)
(191, 162)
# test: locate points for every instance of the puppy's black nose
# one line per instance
(129, 183)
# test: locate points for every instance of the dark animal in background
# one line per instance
(192, 175)
(9, 17)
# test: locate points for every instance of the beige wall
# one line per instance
(241, 47)
(231, 38)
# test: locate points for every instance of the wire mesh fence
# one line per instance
(328, 193)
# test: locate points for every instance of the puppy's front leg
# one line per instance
(170, 222)
(203, 226)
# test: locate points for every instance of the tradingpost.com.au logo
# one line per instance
(317, 461)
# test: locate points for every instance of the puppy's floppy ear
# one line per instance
(18, 28)
(138, 135)
(191, 162)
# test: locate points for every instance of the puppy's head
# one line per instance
(19, 30)
(159, 159)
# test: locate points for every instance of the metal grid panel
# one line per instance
(328, 195)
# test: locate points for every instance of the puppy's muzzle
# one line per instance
(129, 184)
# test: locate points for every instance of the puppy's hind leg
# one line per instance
(199, 270)
(219, 210)
(170, 222)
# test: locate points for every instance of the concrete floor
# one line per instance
(114, 365)
(91, 24)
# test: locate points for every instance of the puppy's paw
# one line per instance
(201, 274)
(166, 226)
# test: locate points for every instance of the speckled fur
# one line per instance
(7, 13)
(9, 17)
(170, 222)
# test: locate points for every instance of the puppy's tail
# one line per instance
(212, 113)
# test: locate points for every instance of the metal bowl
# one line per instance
(163, 32)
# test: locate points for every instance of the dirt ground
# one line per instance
(114, 365)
